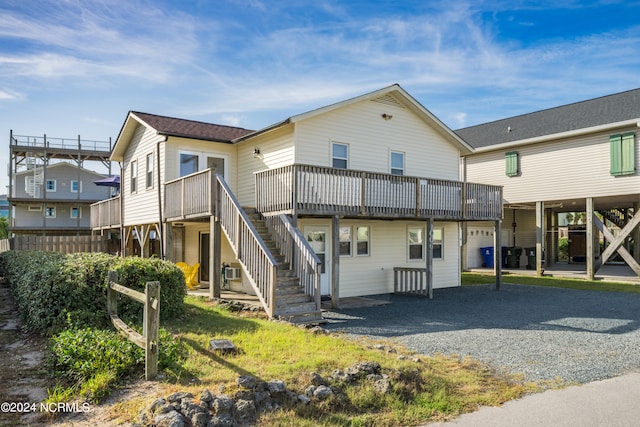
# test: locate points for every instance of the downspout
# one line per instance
(123, 246)
(159, 180)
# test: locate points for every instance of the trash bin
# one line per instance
(513, 256)
(487, 256)
(531, 258)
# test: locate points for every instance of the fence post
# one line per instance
(112, 296)
(151, 325)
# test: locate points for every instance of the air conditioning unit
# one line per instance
(232, 273)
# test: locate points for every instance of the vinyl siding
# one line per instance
(559, 170)
(26, 218)
(175, 146)
(373, 274)
(140, 207)
(276, 150)
(371, 139)
(64, 174)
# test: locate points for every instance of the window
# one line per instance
(76, 213)
(51, 185)
(188, 164)
(397, 163)
(362, 241)
(512, 163)
(622, 149)
(35, 208)
(75, 185)
(134, 176)
(50, 212)
(345, 241)
(149, 173)
(416, 243)
(437, 243)
(340, 155)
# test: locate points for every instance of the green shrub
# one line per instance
(93, 360)
(54, 291)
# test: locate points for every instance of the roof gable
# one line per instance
(607, 110)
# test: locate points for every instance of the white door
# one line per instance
(318, 237)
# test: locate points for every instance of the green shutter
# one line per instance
(623, 154)
(512, 163)
(628, 154)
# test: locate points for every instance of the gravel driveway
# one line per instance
(543, 333)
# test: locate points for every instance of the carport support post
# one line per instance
(497, 254)
(539, 237)
(591, 267)
(335, 262)
(215, 264)
(636, 234)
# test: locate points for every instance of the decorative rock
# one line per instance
(170, 419)
(322, 392)
(247, 381)
(261, 396)
(223, 420)
(206, 396)
(277, 386)
(316, 379)
(382, 386)
(177, 397)
(303, 399)
(222, 404)
(244, 409)
(157, 404)
(310, 390)
(201, 419)
(374, 377)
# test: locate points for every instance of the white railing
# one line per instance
(315, 190)
(106, 213)
(189, 196)
(298, 253)
(251, 251)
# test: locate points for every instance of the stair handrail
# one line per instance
(252, 253)
(302, 257)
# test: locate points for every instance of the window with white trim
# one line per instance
(362, 241)
(50, 212)
(345, 241)
(149, 172)
(75, 185)
(438, 243)
(415, 238)
(339, 155)
(396, 163)
(76, 213)
(134, 176)
(51, 185)
(35, 208)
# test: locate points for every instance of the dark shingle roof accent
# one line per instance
(171, 126)
(580, 115)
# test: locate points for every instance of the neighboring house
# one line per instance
(336, 197)
(4, 206)
(59, 204)
(51, 187)
(581, 157)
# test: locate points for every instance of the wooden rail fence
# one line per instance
(148, 340)
(62, 244)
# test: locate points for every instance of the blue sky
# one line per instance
(76, 67)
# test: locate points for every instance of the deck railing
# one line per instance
(106, 213)
(189, 196)
(251, 251)
(298, 253)
(316, 190)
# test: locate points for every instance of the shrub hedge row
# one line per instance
(54, 292)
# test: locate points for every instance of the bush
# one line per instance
(54, 291)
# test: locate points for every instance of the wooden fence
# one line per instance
(62, 244)
(411, 281)
(148, 340)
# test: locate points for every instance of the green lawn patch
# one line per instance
(557, 282)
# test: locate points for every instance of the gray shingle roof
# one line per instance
(192, 129)
(593, 112)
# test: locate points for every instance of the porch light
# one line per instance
(256, 152)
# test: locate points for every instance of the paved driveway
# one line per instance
(544, 333)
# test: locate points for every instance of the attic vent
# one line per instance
(389, 100)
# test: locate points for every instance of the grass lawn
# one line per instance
(423, 388)
(590, 285)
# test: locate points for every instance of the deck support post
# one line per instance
(497, 253)
(636, 234)
(539, 238)
(215, 265)
(590, 255)
(429, 257)
(335, 262)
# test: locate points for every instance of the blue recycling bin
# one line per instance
(487, 256)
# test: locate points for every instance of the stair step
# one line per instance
(296, 309)
(289, 290)
(308, 318)
(293, 300)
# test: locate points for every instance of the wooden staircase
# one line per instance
(292, 303)
(616, 216)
